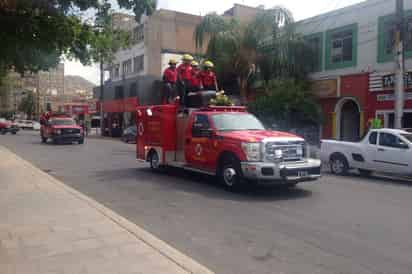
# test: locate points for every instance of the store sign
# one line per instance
(325, 88)
(388, 81)
(391, 97)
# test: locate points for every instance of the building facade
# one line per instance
(135, 74)
(354, 75)
(46, 86)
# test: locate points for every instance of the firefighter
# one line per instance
(169, 81)
(208, 77)
(195, 83)
(184, 76)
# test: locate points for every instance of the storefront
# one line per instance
(382, 98)
(344, 104)
(118, 114)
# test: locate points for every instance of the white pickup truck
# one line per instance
(381, 150)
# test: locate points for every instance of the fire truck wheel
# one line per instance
(231, 174)
(154, 160)
(81, 141)
(43, 139)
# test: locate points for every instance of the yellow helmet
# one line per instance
(187, 57)
(172, 61)
(208, 64)
(195, 64)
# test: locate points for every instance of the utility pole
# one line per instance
(101, 96)
(38, 96)
(400, 64)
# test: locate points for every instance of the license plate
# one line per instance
(303, 173)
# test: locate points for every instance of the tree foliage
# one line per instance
(35, 34)
(28, 105)
(288, 103)
(267, 44)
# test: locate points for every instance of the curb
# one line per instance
(180, 259)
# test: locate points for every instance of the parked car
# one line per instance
(381, 150)
(28, 124)
(8, 127)
(129, 135)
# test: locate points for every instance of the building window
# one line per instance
(386, 37)
(138, 63)
(341, 47)
(133, 90)
(116, 71)
(127, 67)
(138, 34)
(315, 43)
(118, 92)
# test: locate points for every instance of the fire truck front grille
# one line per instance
(70, 131)
(291, 151)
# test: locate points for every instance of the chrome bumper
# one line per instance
(307, 170)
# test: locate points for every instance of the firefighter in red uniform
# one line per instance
(183, 77)
(208, 77)
(169, 81)
(195, 82)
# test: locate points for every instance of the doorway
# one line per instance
(349, 121)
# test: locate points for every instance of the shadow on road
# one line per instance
(179, 180)
(378, 178)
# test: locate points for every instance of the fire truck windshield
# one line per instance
(62, 122)
(236, 121)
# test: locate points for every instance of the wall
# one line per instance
(366, 15)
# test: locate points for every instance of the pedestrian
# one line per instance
(208, 77)
(169, 81)
(184, 76)
(195, 82)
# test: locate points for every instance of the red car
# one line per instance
(61, 129)
(7, 126)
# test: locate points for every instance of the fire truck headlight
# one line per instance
(252, 151)
(58, 131)
(149, 112)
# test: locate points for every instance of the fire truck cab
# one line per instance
(60, 127)
(227, 142)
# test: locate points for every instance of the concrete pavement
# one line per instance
(48, 227)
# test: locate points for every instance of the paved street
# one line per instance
(335, 225)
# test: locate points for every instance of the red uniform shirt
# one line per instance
(195, 78)
(170, 75)
(208, 78)
(184, 72)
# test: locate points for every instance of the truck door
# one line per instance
(371, 148)
(393, 154)
(197, 147)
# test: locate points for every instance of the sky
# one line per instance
(300, 9)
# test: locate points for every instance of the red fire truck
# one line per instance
(226, 142)
(60, 127)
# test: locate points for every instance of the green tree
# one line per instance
(28, 105)
(35, 34)
(268, 44)
(289, 103)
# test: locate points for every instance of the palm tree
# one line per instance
(267, 43)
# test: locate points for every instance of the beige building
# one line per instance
(45, 85)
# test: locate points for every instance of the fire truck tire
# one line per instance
(154, 160)
(81, 141)
(3, 131)
(43, 139)
(230, 174)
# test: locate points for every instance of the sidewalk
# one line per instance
(48, 227)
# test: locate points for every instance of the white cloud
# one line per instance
(300, 9)
(91, 73)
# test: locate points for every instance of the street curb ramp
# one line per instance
(185, 262)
